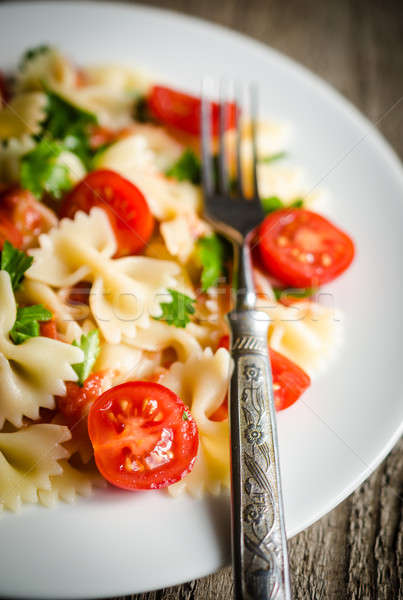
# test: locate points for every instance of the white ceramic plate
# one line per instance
(116, 542)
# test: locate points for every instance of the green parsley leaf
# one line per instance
(15, 262)
(177, 311)
(212, 253)
(297, 203)
(33, 53)
(273, 157)
(186, 168)
(298, 294)
(69, 124)
(141, 110)
(26, 324)
(41, 173)
(89, 344)
(271, 204)
(185, 416)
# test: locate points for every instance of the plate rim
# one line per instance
(332, 96)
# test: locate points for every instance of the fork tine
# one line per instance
(238, 104)
(253, 94)
(222, 154)
(205, 128)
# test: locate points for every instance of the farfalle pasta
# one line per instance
(114, 288)
(33, 372)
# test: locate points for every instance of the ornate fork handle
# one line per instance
(259, 545)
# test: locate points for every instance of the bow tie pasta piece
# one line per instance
(160, 336)
(36, 292)
(79, 442)
(181, 233)
(131, 290)
(32, 372)
(307, 333)
(69, 484)
(11, 152)
(202, 382)
(119, 78)
(126, 363)
(28, 458)
(22, 116)
(75, 249)
(125, 292)
(48, 66)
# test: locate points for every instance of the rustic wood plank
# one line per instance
(356, 551)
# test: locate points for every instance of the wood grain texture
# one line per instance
(356, 551)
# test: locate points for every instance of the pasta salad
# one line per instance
(114, 348)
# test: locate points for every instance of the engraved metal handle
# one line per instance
(259, 544)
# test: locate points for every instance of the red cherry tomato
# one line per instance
(143, 436)
(289, 380)
(29, 216)
(182, 111)
(123, 202)
(8, 231)
(77, 398)
(302, 248)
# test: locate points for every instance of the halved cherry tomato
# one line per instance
(289, 381)
(143, 436)
(48, 329)
(29, 216)
(123, 202)
(8, 231)
(182, 111)
(302, 248)
(77, 398)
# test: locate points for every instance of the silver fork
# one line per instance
(259, 544)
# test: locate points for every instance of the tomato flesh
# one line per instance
(48, 329)
(182, 111)
(143, 436)
(29, 217)
(9, 232)
(123, 202)
(78, 398)
(303, 249)
(289, 381)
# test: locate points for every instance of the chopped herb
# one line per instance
(186, 168)
(89, 344)
(141, 110)
(298, 294)
(298, 203)
(15, 262)
(177, 311)
(33, 53)
(271, 204)
(274, 157)
(41, 173)
(185, 416)
(26, 325)
(69, 124)
(212, 253)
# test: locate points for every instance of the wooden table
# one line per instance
(356, 551)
